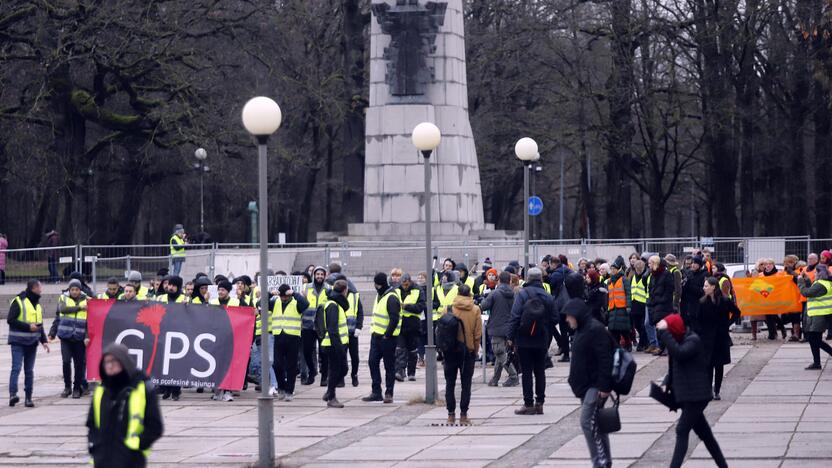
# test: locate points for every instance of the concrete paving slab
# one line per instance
(757, 445)
(781, 389)
(778, 427)
(384, 448)
(810, 445)
(750, 412)
(473, 447)
(621, 445)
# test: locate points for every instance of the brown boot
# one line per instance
(451, 419)
(538, 408)
(525, 410)
(463, 420)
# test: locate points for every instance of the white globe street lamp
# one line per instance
(261, 118)
(527, 151)
(201, 155)
(426, 137)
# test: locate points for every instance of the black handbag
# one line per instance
(665, 397)
(609, 420)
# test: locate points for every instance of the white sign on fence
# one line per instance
(65, 260)
(294, 281)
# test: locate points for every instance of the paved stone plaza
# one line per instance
(773, 414)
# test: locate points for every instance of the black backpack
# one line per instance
(532, 320)
(623, 370)
(446, 333)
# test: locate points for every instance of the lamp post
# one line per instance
(526, 151)
(426, 137)
(261, 118)
(201, 155)
(560, 209)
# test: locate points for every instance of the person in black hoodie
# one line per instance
(532, 347)
(174, 295)
(716, 314)
(690, 384)
(25, 321)
(660, 300)
(590, 371)
(124, 418)
(692, 283)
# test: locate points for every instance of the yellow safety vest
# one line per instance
(353, 299)
(136, 405)
(232, 302)
(381, 317)
(29, 314)
(638, 293)
(411, 298)
(196, 300)
(546, 286)
(286, 320)
(72, 325)
(343, 331)
(141, 294)
(470, 282)
(817, 306)
(176, 246)
(445, 300)
(181, 299)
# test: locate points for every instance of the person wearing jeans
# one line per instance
(499, 303)
(25, 321)
(650, 329)
(598, 442)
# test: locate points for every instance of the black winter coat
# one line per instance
(541, 340)
(499, 302)
(592, 348)
(596, 300)
(690, 377)
(660, 301)
(713, 324)
(691, 293)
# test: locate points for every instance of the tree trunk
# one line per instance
(352, 129)
(822, 165)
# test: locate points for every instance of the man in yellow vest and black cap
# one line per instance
(413, 306)
(335, 340)
(25, 321)
(177, 249)
(386, 328)
(70, 325)
(124, 418)
(287, 307)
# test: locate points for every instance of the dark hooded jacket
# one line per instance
(499, 303)
(533, 288)
(690, 379)
(106, 443)
(691, 294)
(592, 348)
(662, 287)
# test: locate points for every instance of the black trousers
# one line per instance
(533, 363)
(408, 346)
(774, 323)
(638, 324)
(353, 349)
(816, 343)
(337, 365)
(309, 340)
(717, 374)
(74, 352)
(458, 363)
(693, 417)
(382, 349)
(286, 361)
(562, 338)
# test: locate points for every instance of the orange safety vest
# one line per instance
(617, 297)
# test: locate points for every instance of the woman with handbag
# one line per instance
(690, 382)
(716, 314)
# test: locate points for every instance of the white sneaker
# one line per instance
(272, 391)
(289, 397)
(226, 396)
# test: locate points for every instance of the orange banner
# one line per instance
(766, 295)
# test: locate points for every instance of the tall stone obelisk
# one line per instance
(418, 74)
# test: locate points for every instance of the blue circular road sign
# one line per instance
(535, 206)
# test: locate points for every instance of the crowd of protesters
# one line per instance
(647, 303)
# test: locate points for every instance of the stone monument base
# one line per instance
(416, 232)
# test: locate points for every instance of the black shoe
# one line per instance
(813, 367)
(717, 397)
(85, 391)
(355, 381)
(559, 352)
(76, 393)
(327, 396)
(373, 397)
(341, 384)
(411, 378)
(564, 358)
(13, 400)
(67, 392)
(200, 390)
(308, 381)
(388, 398)
(28, 403)
(323, 381)
(165, 395)
(257, 388)
(399, 377)
(174, 397)
(549, 363)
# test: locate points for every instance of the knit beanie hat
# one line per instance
(676, 326)
(74, 284)
(225, 285)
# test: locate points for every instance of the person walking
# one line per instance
(413, 306)
(335, 340)
(385, 330)
(690, 384)
(716, 314)
(177, 249)
(818, 296)
(287, 307)
(4, 244)
(460, 362)
(124, 420)
(638, 302)
(498, 303)
(590, 374)
(659, 298)
(533, 316)
(25, 321)
(70, 325)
